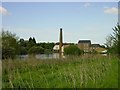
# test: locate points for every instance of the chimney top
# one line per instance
(60, 28)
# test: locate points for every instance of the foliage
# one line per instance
(22, 43)
(72, 50)
(22, 47)
(26, 45)
(46, 45)
(116, 38)
(47, 51)
(22, 51)
(113, 40)
(30, 43)
(9, 45)
(8, 52)
(36, 50)
(77, 72)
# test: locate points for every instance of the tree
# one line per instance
(30, 43)
(22, 51)
(113, 41)
(22, 47)
(8, 52)
(109, 44)
(72, 50)
(34, 41)
(116, 38)
(22, 43)
(9, 45)
(30, 39)
(36, 50)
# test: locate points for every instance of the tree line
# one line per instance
(12, 46)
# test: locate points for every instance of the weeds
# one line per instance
(76, 72)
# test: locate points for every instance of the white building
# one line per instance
(56, 47)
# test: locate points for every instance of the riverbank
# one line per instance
(73, 72)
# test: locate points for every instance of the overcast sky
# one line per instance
(42, 20)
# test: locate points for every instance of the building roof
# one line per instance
(63, 43)
(84, 41)
(95, 45)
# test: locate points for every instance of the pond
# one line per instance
(49, 56)
(42, 56)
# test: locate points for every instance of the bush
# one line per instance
(8, 52)
(23, 51)
(36, 50)
(72, 50)
(47, 51)
(9, 45)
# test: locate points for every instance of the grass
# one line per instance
(0, 74)
(73, 72)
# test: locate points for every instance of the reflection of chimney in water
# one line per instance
(61, 42)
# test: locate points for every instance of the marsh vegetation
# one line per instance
(89, 71)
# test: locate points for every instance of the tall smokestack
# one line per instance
(61, 42)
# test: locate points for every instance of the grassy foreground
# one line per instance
(74, 72)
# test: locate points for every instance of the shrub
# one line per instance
(22, 51)
(47, 51)
(8, 52)
(72, 50)
(9, 45)
(36, 50)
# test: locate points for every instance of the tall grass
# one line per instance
(72, 72)
(0, 74)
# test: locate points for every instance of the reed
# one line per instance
(72, 72)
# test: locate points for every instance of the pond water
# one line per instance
(48, 56)
(41, 56)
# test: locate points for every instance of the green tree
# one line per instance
(8, 52)
(22, 43)
(109, 44)
(49, 46)
(46, 45)
(34, 41)
(30, 43)
(113, 41)
(22, 46)
(9, 45)
(36, 50)
(47, 51)
(22, 51)
(72, 50)
(116, 38)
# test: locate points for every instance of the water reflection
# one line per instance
(42, 56)
(49, 56)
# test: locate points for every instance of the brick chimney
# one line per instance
(61, 42)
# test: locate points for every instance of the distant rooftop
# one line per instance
(63, 43)
(95, 45)
(84, 41)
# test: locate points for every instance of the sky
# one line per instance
(79, 20)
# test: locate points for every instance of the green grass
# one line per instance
(73, 72)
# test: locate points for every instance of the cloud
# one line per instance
(86, 4)
(3, 11)
(112, 10)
